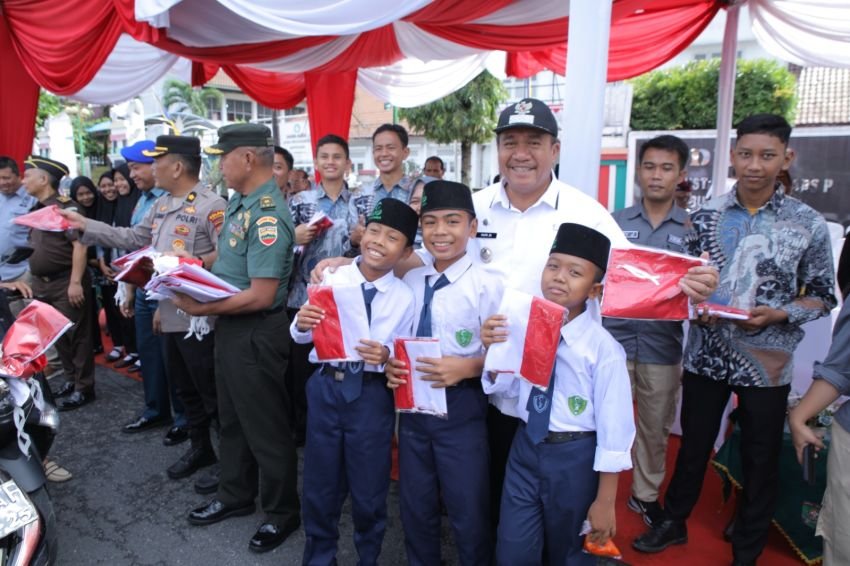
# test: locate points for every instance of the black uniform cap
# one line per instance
(528, 113)
(580, 241)
(55, 168)
(184, 145)
(396, 215)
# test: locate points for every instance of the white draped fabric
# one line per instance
(527, 12)
(805, 32)
(132, 67)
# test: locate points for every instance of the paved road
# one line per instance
(121, 509)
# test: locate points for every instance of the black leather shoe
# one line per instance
(175, 435)
(216, 511)
(192, 461)
(668, 532)
(207, 483)
(76, 400)
(64, 390)
(124, 362)
(143, 423)
(269, 536)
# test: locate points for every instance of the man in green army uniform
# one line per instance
(251, 350)
(59, 278)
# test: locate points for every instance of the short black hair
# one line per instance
(290, 162)
(54, 182)
(9, 163)
(191, 163)
(667, 143)
(438, 160)
(396, 129)
(333, 138)
(770, 124)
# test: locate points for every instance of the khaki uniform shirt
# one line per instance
(53, 251)
(189, 223)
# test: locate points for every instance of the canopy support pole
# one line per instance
(584, 100)
(725, 100)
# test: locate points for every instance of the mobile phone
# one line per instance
(809, 456)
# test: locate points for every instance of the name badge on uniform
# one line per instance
(675, 240)
(632, 234)
(486, 235)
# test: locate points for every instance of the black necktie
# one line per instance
(352, 383)
(424, 328)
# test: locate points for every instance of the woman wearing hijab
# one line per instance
(85, 194)
(127, 196)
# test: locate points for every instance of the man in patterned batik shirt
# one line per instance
(332, 198)
(775, 261)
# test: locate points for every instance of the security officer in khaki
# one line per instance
(185, 221)
(255, 255)
(59, 278)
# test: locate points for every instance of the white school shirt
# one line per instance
(457, 310)
(513, 245)
(592, 390)
(392, 309)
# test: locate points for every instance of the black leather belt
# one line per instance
(54, 276)
(561, 437)
(338, 373)
(472, 383)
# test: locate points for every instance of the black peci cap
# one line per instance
(397, 215)
(581, 241)
(446, 195)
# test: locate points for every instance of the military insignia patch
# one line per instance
(189, 210)
(163, 208)
(577, 404)
(191, 196)
(63, 199)
(232, 242)
(181, 230)
(266, 220)
(216, 218)
(266, 202)
(178, 245)
(463, 337)
(267, 235)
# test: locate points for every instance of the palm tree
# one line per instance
(181, 97)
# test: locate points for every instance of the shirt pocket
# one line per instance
(460, 329)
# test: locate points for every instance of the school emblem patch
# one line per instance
(377, 212)
(267, 235)
(540, 402)
(463, 337)
(577, 404)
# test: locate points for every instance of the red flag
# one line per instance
(345, 322)
(534, 329)
(417, 395)
(35, 329)
(46, 219)
(643, 283)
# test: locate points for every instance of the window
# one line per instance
(264, 113)
(238, 110)
(297, 111)
(213, 109)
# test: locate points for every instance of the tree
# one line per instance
(686, 97)
(48, 105)
(181, 97)
(467, 116)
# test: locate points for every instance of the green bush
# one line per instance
(685, 98)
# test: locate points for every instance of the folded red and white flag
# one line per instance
(418, 396)
(320, 221)
(37, 327)
(122, 262)
(643, 283)
(46, 219)
(721, 311)
(345, 322)
(534, 329)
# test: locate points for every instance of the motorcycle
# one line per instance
(28, 425)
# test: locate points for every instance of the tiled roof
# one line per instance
(823, 96)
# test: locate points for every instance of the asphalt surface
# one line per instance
(120, 508)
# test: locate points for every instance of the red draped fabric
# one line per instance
(18, 102)
(334, 93)
(275, 90)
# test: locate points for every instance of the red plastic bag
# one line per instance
(37, 327)
(643, 283)
(46, 219)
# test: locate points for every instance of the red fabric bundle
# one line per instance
(46, 219)
(37, 327)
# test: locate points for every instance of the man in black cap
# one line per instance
(184, 222)
(255, 255)
(58, 266)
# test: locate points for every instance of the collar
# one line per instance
(266, 188)
(676, 214)
(403, 184)
(454, 271)
(775, 201)
(578, 327)
(345, 194)
(382, 284)
(550, 197)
